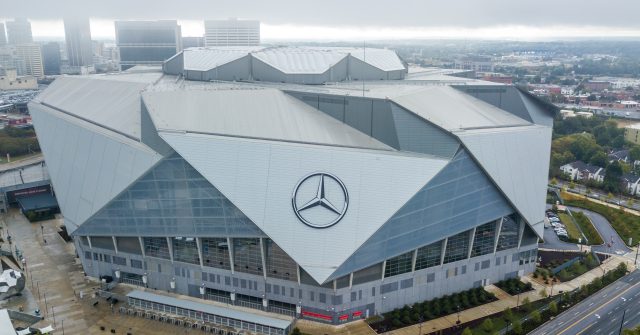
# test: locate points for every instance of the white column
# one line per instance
(141, 245)
(384, 267)
(115, 244)
(444, 249)
(89, 240)
(199, 251)
(230, 248)
(298, 272)
(350, 280)
(264, 261)
(498, 230)
(170, 245)
(471, 238)
(413, 260)
(520, 232)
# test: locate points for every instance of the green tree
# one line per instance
(543, 293)
(526, 304)
(634, 153)
(536, 317)
(467, 331)
(487, 325)
(517, 327)
(599, 159)
(553, 307)
(613, 174)
(508, 314)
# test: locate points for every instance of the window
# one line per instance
(247, 256)
(119, 260)
(398, 265)
(279, 264)
(508, 237)
(457, 247)
(431, 277)
(129, 245)
(215, 253)
(156, 247)
(429, 256)
(185, 250)
(484, 239)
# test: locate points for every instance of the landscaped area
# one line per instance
(626, 224)
(572, 229)
(17, 142)
(513, 286)
(574, 267)
(587, 228)
(432, 309)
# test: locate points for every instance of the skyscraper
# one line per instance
(51, 58)
(19, 31)
(3, 36)
(77, 35)
(231, 32)
(147, 42)
(31, 54)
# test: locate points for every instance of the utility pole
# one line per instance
(637, 249)
(622, 321)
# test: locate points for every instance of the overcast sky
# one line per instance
(352, 19)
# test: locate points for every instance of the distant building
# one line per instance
(631, 182)
(579, 170)
(619, 155)
(192, 42)
(77, 36)
(147, 42)
(475, 63)
(9, 80)
(3, 35)
(9, 59)
(31, 54)
(19, 31)
(596, 86)
(632, 133)
(231, 32)
(51, 58)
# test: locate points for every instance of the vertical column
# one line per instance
(384, 267)
(199, 246)
(115, 244)
(520, 232)
(230, 248)
(262, 255)
(141, 245)
(471, 238)
(497, 237)
(89, 240)
(350, 280)
(170, 245)
(413, 260)
(298, 272)
(444, 249)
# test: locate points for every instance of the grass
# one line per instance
(587, 228)
(3, 159)
(572, 229)
(626, 224)
(500, 321)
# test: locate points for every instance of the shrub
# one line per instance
(508, 314)
(467, 331)
(553, 307)
(526, 304)
(536, 317)
(487, 325)
(543, 293)
(517, 327)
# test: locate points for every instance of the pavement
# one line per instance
(22, 162)
(602, 312)
(613, 242)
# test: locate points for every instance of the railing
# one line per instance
(218, 298)
(132, 281)
(283, 311)
(249, 304)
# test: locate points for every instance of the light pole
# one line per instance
(622, 321)
(518, 295)
(458, 322)
(637, 249)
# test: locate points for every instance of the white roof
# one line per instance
(10, 277)
(204, 59)
(300, 60)
(252, 113)
(383, 59)
(6, 327)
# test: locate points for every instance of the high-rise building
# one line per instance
(19, 31)
(3, 35)
(192, 42)
(77, 36)
(147, 42)
(51, 58)
(231, 32)
(322, 203)
(31, 54)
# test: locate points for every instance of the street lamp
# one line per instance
(458, 322)
(518, 295)
(172, 284)
(144, 279)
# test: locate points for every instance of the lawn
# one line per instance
(572, 229)
(626, 224)
(587, 228)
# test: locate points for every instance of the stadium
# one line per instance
(322, 183)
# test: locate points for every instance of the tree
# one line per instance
(553, 307)
(536, 317)
(526, 303)
(517, 327)
(487, 325)
(508, 314)
(543, 293)
(554, 181)
(634, 153)
(613, 174)
(592, 97)
(467, 331)
(599, 159)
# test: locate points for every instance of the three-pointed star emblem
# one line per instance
(320, 199)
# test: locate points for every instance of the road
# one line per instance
(618, 199)
(602, 312)
(609, 235)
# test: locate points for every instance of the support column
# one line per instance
(350, 280)
(384, 267)
(413, 260)
(471, 238)
(170, 245)
(230, 248)
(89, 240)
(115, 244)
(262, 255)
(520, 232)
(298, 272)
(141, 245)
(444, 249)
(498, 231)
(199, 246)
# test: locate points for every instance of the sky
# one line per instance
(349, 20)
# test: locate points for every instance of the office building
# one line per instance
(231, 32)
(19, 31)
(77, 36)
(51, 58)
(192, 42)
(3, 35)
(326, 202)
(147, 42)
(31, 55)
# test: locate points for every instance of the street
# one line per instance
(602, 312)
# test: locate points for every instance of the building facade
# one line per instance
(77, 37)
(51, 58)
(326, 202)
(147, 42)
(19, 31)
(231, 33)
(31, 56)
(3, 35)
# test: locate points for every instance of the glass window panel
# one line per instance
(398, 265)
(185, 249)
(484, 239)
(246, 255)
(215, 253)
(279, 264)
(429, 256)
(156, 247)
(508, 237)
(457, 247)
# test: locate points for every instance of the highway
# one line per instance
(602, 312)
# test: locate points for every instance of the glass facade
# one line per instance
(247, 256)
(130, 245)
(429, 256)
(185, 250)
(508, 237)
(529, 237)
(398, 265)
(172, 199)
(279, 264)
(156, 247)
(215, 253)
(484, 239)
(146, 36)
(146, 54)
(457, 247)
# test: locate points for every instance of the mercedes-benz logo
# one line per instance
(320, 200)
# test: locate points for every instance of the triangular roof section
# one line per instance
(514, 158)
(378, 184)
